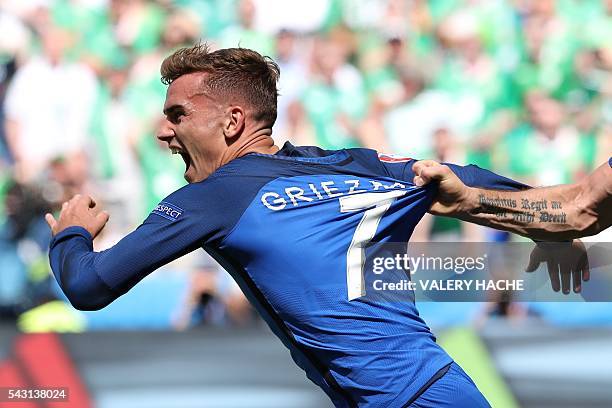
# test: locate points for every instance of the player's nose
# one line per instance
(165, 132)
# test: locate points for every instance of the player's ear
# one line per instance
(234, 124)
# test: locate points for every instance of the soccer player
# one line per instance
(288, 225)
(549, 213)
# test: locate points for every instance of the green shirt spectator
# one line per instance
(162, 172)
(532, 157)
(331, 111)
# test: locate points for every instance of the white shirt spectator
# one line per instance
(301, 16)
(51, 105)
(410, 126)
(14, 35)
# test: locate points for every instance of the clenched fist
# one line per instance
(80, 211)
(452, 195)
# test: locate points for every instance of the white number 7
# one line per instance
(378, 204)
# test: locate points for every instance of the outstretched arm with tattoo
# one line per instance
(549, 213)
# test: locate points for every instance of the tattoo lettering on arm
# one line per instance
(527, 212)
(562, 212)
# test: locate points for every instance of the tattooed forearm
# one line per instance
(547, 213)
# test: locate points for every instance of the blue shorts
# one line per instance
(455, 389)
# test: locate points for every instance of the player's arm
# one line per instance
(91, 280)
(402, 168)
(550, 213)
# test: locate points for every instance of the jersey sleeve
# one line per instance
(182, 222)
(474, 176)
(471, 175)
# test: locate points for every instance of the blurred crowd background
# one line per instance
(521, 87)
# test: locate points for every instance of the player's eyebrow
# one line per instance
(172, 109)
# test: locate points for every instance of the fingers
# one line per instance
(95, 209)
(577, 280)
(534, 260)
(80, 210)
(581, 272)
(568, 267)
(51, 221)
(100, 221)
(75, 199)
(428, 170)
(566, 276)
(419, 168)
(586, 270)
(421, 164)
(553, 272)
(102, 217)
(84, 200)
(80, 202)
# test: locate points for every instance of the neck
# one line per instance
(259, 141)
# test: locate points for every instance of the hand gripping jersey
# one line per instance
(289, 228)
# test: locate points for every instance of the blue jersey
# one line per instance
(289, 228)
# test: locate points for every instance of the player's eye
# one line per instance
(176, 117)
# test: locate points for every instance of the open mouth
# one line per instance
(184, 156)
